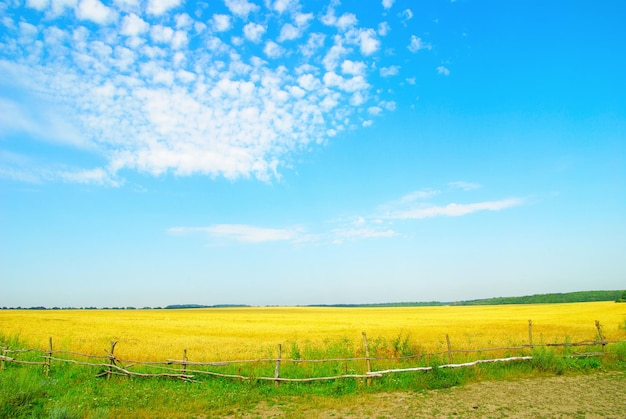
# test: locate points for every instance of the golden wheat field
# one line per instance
(254, 332)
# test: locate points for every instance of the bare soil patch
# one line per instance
(600, 395)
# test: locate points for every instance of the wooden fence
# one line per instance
(109, 365)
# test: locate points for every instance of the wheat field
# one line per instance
(254, 332)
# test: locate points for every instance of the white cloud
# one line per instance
(254, 32)
(38, 4)
(389, 105)
(302, 19)
(273, 50)
(340, 235)
(314, 43)
(443, 70)
(289, 32)
(58, 7)
(388, 3)
(127, 5)
(183, 21)
(95, 11)
(389, 71)
(355, 68)
(366, 40)
(417, 196)
(352, 84)
(383, 28)
(455, 210)
(374, 110)
(241, 8)
(281, 5)
(308, 82)
(42, 121)
(241, 233)
(28, 31)
(409, 207)
(170, 95)
(162, 34)
(133, 25)
(334, 56)
(466, 186)
(221, 23)
(408, 200)
(358, 98)
(345, 21)
(406, 15)
(97, 176)
(179, 40)
(417, 44)
(159, 7)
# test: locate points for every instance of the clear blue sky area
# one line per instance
(310, 152)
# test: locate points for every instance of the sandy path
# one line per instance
(583, 396)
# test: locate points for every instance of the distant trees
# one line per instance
(622, 298)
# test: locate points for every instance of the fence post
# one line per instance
(49, 357)
(367, 357)
(111, 360)
(530, 333)
(4, 353)
(449, 348)
(184, 361)
(600, 335)
(277, 368)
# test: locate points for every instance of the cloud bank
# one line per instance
(232, 90)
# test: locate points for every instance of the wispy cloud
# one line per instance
(444, 71)
(466, 186)
(388, 3)
(24, 168)
(408, 200)
(241, 233)
(416, 44)
(389, 71)
(349, 234)
(418, 195)
(41, 120)
(406, 15)
(382, 224)
(454, 210)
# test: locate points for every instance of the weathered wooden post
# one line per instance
(277, 367)
(4, 353)
(530, 333)
(48, 357)
(111, 360)
(367, 358)
(600, 335)
(184, 361)
(449, 348)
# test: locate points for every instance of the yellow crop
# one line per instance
(251, 333)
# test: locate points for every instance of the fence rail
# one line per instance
(110, 365)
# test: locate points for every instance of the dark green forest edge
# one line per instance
(554, 298)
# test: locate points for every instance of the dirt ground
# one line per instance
(584, 396)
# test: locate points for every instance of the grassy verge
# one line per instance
(73, 391)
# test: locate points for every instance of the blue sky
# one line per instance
(303, 152)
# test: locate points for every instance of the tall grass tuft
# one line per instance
(547, 360)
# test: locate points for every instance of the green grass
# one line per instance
(73, 391)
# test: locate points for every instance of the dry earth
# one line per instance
(582, 396)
